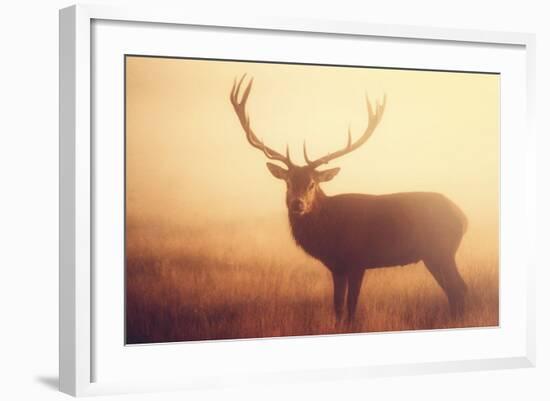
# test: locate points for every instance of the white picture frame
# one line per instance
(77, 366)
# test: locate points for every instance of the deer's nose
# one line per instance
(297, 206)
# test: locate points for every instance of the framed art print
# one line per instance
(346, 200)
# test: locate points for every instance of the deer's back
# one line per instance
(356, 230)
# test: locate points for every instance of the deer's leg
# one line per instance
(340, 283)
(355, 279)
(449, 279)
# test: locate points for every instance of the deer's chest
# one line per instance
(317, 238)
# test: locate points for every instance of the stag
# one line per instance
(350, 233)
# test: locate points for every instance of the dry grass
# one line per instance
(250, 280)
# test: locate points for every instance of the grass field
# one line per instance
(249, 280)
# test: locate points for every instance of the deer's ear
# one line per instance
(277, 171)
(327, 175)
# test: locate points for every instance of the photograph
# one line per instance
(271, 199)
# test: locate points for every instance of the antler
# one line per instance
(374, 120)
(240, 109)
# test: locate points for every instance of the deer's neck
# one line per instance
(308, 228)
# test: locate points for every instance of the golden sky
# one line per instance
(187, 156)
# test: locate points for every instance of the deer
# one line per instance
(351, 233)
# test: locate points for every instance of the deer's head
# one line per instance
(302, 181)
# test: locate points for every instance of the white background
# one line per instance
(28, 203)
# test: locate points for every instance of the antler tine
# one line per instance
(247, 91)
(305, 154)
(374, 119)
(235, 91)
(240, 110)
